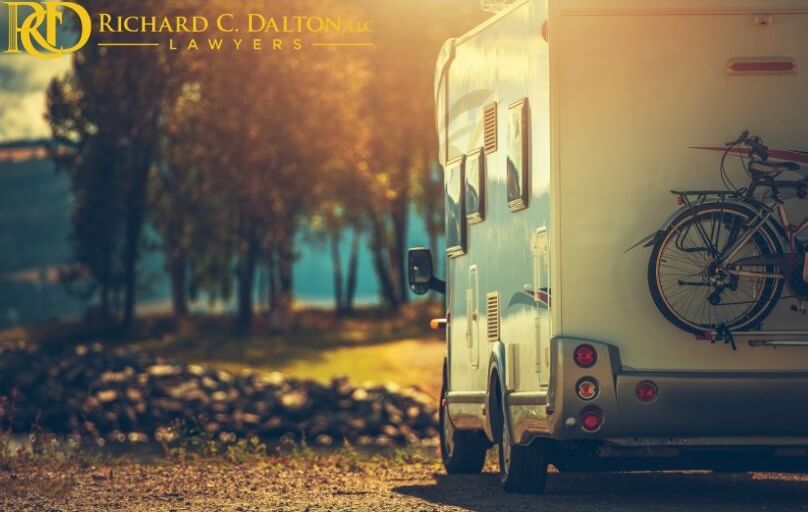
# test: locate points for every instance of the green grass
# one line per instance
(370, 346)
(409, 362)
(366, 348)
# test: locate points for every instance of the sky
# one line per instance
(23, 82)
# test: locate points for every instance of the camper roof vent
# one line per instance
(492, 317)
(490, 122)
(494, 6)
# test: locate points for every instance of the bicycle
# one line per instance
(723, 261)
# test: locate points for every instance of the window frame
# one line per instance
(522, 202)
(458, 249)
(478, 216)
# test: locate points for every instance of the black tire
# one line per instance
(522, 469)
(462, 451)
(759, 305)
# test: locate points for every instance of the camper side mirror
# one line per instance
(421, 275)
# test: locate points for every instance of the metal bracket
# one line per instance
(775, 338)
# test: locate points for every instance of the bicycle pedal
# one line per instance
(801, 309)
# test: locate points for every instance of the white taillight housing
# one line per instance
(587, 389)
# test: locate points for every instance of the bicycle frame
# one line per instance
(791, 230)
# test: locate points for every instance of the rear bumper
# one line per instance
(712, 405)
(692, 409)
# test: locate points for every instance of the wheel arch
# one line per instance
(496, 388)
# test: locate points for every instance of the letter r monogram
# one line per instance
(27, 32)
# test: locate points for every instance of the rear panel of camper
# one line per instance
(635, 85)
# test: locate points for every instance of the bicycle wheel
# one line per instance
(695, 290)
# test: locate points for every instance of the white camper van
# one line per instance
(564, 125)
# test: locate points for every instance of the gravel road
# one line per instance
(382, 484)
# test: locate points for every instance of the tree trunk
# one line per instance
(272, 278)
(246, 283)
(353, 267)
(105, 301)
(400, 221)
(433, 213)
(380, 265)
(336, 264)
(135, 213)
(283, 315)
(178, 270)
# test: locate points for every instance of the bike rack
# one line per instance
(774, 338)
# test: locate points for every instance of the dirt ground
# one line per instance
(398, 482)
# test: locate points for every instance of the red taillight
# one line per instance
(587, 389)
(585, 356)
(591, 420)
(680, 201)
(646, 391)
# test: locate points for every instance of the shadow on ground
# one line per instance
(623, 492)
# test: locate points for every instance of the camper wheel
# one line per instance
(462, 451)
(522, 469)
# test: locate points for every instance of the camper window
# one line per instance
(455, 202)
(475, 187)
(518, 155)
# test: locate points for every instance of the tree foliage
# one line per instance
(229, 156)
(111, 110)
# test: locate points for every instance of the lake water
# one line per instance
(34, 228)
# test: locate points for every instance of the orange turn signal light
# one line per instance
(438, 323)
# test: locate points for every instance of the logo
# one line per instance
(28, 32)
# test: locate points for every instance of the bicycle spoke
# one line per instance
(697, 287)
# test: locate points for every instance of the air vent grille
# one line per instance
(492, 317)
(490, 121)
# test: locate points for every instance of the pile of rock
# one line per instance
(132, 396)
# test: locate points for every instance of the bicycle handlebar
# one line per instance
(755, 144)
(741, 138)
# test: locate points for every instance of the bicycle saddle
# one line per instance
(773, 167)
